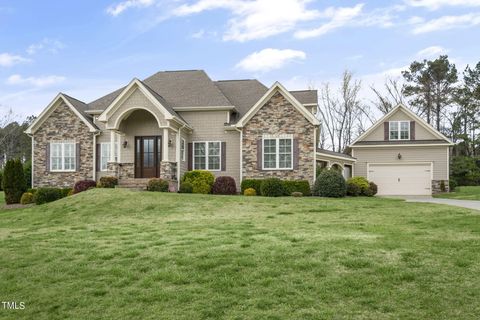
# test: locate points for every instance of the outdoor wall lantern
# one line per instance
(170, 142)
(125, 143)
(399, 156)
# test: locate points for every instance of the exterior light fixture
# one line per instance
(125, 143)
(399, 156)
(170, 142)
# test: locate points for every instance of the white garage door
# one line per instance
(404, 179)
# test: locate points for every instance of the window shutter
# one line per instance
(47, 157)
(259, 154)
(77, 156)
(386, 131)
(224, 156)
(190, 156)
(296, 154)
(412, 130)
(98, 157)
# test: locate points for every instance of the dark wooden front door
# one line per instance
(148, 154)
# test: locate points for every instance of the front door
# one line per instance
(148, 154)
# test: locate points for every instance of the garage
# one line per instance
(401, 179)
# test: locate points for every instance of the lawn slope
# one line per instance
(119, 254)
(462, 193)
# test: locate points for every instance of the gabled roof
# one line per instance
(306, 97)
(78, 107)
(277, 87)
(334, 154)
(420, 121)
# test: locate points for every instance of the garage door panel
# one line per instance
(401, 179)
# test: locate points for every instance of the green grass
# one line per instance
(119, 254)
(462, 193)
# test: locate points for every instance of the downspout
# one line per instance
(33, 144)
(95, 134)
(179, 160)
(241, 153)
(314, 154)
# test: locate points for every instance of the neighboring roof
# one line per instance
(308, 97)
(409, 112)
(335, 154)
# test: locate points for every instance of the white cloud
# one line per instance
(447, 23)
(436, 4)
(116, 9)
(339, 17)
(432, 52)
(8, 60)
(270, 59)
(50, 45)
(44, 81)
(255, 19)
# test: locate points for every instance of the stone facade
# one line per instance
(278, 117)
(62, 125)
(121, 170)
(168, 170)
(436, 186)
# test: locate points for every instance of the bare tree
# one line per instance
(391, 96)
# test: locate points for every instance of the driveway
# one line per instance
(469, 204)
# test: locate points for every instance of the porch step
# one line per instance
(133, 183)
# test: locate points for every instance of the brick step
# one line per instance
(133, 183)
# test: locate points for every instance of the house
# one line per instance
(403, 155)
(175, 121)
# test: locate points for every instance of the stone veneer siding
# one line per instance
(62, 124)
(436, 186)
(278, 116)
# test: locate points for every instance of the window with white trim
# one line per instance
(62, 156)
(206, 155)
(399, 130)
(105, 154)
(182, 149)
(277, 153)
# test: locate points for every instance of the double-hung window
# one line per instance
(105, 148)
(206, 155)
(399, 130)
(62, 156)
(277, 153)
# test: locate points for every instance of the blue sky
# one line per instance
(89, 48)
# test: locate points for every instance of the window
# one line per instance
(105, 155)
(277, 153)
(62, 156)
(182, 149)
(399, 130)
(206, 155)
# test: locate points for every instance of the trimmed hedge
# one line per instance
(357, 186)
(251, 183)
(292, 186)
(26, 198)
(272, 187)
(201, 180)
(185, 187)
(249, 192)
(159, 185)
(330, 183)
(224, 185)
(45, 195)
(107, 182)
(13, 181)
(84, 185)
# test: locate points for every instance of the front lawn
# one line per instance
(119, 254)
(462, 193)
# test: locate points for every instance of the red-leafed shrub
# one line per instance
(224, 185)
(84, 185)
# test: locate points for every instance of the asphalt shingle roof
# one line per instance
(80, 106)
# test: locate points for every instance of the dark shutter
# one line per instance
(259, 154)
(47, 157)
(77, 155)
(224, 156)
(98, 157)
(412, 130)
(295, 154)
(386, 131)
(190, 156)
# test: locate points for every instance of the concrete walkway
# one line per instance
(469, 204)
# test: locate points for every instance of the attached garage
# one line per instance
(402, 179)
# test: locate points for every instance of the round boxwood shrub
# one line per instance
(13, 181)
(26, 198)
(302, 186)
(272, 187)
(249, 192)
(201, 180)
(361, 183)
(373, 189)
(330, 183)
(107, 182)
(353, 190)
(224, 185)
(185, 187)
(44, 195)
(84, 185)
(251, 183)
(155, 184)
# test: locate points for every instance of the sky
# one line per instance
(87, 49)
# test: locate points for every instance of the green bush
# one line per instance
(185, 187)
(66, 192)
(107, 182)
(361, 189)
(27, 172)
(26, 198)
(452, 184)
(330, 183)
(297, 194)
(201, 180)
(251, 183)
(32, 190)
(44, 195)
(159, 185)
(465, 171)
(1, 179)
(372, 190)
(13, 181)
(272, 187)
(302, 186)
(249, 192)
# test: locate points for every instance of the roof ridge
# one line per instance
(305, 90)
(236, 80)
